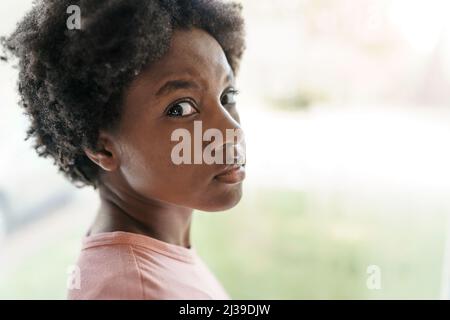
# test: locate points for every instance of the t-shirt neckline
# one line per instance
(135, 239)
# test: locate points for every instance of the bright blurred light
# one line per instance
(377, 148)
(421, 22)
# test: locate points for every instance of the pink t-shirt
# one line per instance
(123, 265)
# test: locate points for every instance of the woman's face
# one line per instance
(192, 82)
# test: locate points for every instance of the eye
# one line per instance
(229, 97)
(181, 109)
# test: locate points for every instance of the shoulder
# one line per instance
(107, 272)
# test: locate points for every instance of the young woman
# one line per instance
(104, 101)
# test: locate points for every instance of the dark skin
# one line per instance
(141, 190)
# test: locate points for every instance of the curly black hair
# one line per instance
(71, 82)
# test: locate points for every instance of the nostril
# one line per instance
(234, 154)
(230, 153)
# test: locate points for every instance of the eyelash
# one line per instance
(189, 100)
(235, 92)
(232, 90)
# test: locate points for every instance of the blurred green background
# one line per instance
(283, 244)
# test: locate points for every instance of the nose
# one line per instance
(234, 153)
(233, 143)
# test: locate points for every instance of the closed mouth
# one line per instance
(231, 174)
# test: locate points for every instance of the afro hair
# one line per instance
(72, 82)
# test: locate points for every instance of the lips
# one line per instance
(232, 174)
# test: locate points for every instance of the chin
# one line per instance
(223, 200)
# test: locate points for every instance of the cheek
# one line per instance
(148, 168)
(150, 171)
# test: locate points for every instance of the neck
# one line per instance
(124, 210)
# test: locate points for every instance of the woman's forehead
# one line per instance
(192, 49)
(193, 54)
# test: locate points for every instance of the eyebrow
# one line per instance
(174, 85)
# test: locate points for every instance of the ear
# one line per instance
(107, 156)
